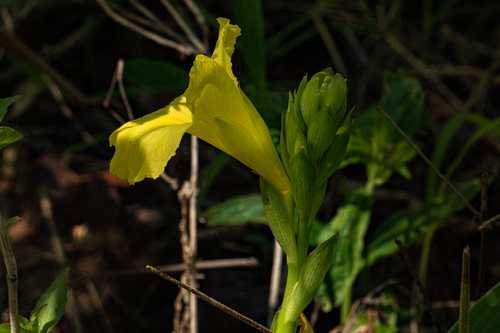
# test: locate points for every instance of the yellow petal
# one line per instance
(305, 327)
(224, 117)
(224, 48)
(145, 145)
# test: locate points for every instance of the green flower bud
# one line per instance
(309, 100)
(303, 179)
(334, 94)
(294, 125)
(285, 156)
(335, 153)
(320, 133)
(312, 142)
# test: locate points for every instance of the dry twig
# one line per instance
(212, 301)
(12, 281)
(421, 287)
(183, 49)
(429, 163)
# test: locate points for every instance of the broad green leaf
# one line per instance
(33, 325)
(155, 76)
(50, 306)
(8, 135)
(311, 276)
(483, 316)
(349, 260)
(239, 210)
(375, 142)
(11, 221)
(5, 103)
(352, 222)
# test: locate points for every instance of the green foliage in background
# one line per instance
(7, 134)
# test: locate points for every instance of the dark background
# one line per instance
(109, 230)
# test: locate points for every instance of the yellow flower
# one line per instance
(214, 109)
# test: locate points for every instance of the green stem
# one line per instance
(283, 326)
(346, 305)
(302, 240)
(424, 263)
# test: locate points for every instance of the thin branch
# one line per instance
(68, 113)
(193, 235)
(57, 248)
(463, 320)
(24, 51)
(160, 25)
(484, 236)
(421, 287)
(212, 301)
(420, 66)
(94, 295)
(200, 19)
(488, 223)
(187, 30)
(173, 268)
(429, 163)
(12, 280)
(330, 44)
(186, 50)
(274, 288)
(121, 87)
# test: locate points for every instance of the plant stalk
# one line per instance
(11, 268)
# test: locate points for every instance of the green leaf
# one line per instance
(50, 306)
(483, 316)
(5, 328)
(355, 217)
(11, 221)
(279, 211)
(375, 142)
(24, 323)
(403, 100)
(239, 210)
(8, 135)
(311, 276)
(155, 76)
(5, 103)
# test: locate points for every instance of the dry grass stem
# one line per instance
(429, 163)
(183, 49)
(421, 287)
(12, 280)
(212, 301)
